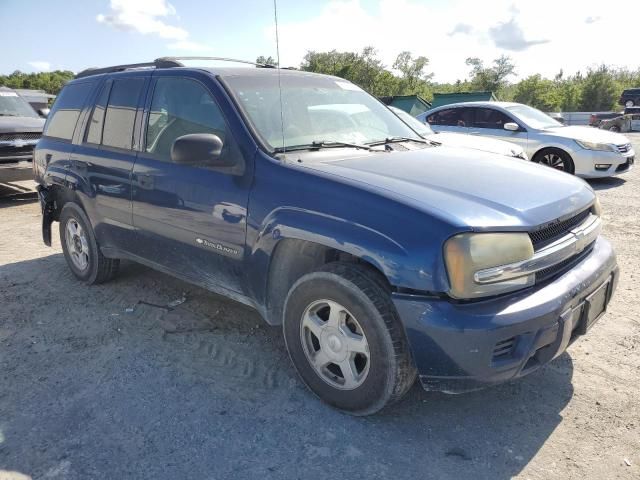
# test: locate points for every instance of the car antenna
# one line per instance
(275, 16)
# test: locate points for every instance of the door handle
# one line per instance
(474, 133)
(47, 158)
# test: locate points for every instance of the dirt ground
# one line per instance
(94, 384)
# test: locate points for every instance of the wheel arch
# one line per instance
(291, 259)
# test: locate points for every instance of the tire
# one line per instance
(615, 128)
(629, 103)
(81, 250)
(381, 368)
(555, 158)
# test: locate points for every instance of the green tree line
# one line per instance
(597, 89)
(50, 82)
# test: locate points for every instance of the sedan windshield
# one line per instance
(13, 105)
(533, 117)
(315, 110)
(423, 129)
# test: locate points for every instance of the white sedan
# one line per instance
(583, 151)
(461, 141)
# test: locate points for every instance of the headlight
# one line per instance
(467, 253)
(600, 147)
(596, 208)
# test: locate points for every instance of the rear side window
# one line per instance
(120, 115)
(181, 106)
(451, 117)
(65, 111)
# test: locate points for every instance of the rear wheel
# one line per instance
(80, 248)
(555, 158)
(615, 128)
(346, 340)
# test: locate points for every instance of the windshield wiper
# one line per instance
(389, 140)
(8, 115)
(316, 145)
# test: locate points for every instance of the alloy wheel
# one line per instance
(335, 344)
(77, 244)
(553, 160)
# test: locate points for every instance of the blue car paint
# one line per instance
(393, 210)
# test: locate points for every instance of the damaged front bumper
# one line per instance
(460, 347)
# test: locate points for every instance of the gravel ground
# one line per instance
(94, 384)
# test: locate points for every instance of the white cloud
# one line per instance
(423, 28)
(40, 65)
(150, 17)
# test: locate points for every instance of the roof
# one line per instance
(412, 104)
(480, 104)
(33, 95)
(440, 99)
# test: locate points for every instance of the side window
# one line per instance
(181, 106)
(120, 115)
(490, 118)
(94, 134)
(66, 110)
(451, 117)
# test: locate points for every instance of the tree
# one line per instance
(50, 82)
(599, 90)
(414, 78)
(538, 92)
(266, 60)
(491, 79)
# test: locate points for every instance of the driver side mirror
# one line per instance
(199, 149)
(511, 126)
(44, 112)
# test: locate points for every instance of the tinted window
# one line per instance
(452, 117)
(66, 110)
(180, 107)
(489, 118)
(120, 115)
(94, 135)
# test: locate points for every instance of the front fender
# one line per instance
(372, 246)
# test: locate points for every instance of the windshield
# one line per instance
(533, 117)
(423, 129)
(314, 109)
(13, 105)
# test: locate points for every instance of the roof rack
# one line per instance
(163, 62)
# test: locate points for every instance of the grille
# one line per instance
(624, 148)
(548, 234)
(559, 268)
(504, 348)
(20, 136)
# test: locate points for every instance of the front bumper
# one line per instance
(459, 347)
(586, 162)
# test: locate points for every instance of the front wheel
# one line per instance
(629, 103)
(556, 159)
(345, 339)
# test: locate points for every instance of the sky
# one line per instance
(541, 36)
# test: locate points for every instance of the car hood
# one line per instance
(478, 143)
(465, 187)
(588, 134)
(21, 124)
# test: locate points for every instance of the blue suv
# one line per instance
(383, 256)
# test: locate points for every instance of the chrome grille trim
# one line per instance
(562, 249)
(624, 148)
